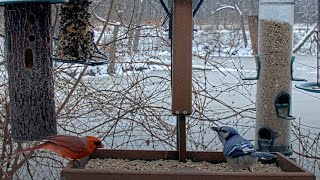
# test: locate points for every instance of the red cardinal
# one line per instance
(71, 147)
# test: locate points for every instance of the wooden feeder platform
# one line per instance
(291, 169)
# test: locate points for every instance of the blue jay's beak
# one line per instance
(215, 129)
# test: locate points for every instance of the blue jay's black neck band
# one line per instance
(227, 138)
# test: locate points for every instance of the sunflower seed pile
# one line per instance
(171, 165)
(76, 35)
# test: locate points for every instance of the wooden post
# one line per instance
(182, 69)
(31, 90)
(182, 58)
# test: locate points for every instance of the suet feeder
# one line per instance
(274, 85)
(76, 37)
(30, 72)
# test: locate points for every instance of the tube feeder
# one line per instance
(30, 72)
(274, 86)
(76, 37)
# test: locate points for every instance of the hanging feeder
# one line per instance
(76, 37)
(30, 72)
(274, 82)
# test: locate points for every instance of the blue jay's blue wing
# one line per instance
(263, 155)
(237, 146)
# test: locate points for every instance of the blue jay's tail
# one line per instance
(263, 155)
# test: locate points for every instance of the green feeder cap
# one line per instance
(2, 2)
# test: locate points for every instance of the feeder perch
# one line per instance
(258, 64)
(266, 139)
(282, 105)
(292, 78)
(30, 73)
(313, 87)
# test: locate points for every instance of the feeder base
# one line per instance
(290, 168)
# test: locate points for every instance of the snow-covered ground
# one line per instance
(154, 49)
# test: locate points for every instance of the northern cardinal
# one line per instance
(71, 147)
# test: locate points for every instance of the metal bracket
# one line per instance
(283, 101)
(168, 10)
(291, 65)
(266, 139)
(258, 65)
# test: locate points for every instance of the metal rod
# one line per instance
(318, 41)
(182, 138)
(197, 8)
(164, 7)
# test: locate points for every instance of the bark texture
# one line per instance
(30, 71)
(253, 29)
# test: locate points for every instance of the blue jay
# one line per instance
(238, 151)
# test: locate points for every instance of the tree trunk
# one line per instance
(253, 29)
(243, 29)
(30, 72)
(138, 29)
(113, 50)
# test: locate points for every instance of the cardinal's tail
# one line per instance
(33, 148)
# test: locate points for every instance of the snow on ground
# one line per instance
(154, 49)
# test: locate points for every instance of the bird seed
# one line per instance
(171, 165)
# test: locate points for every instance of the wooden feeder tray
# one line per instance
(290, 168)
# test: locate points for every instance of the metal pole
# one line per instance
(182, 143)
(318, 41)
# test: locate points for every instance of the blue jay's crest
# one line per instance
(229, 129)
(225, 133)
(238, 151)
